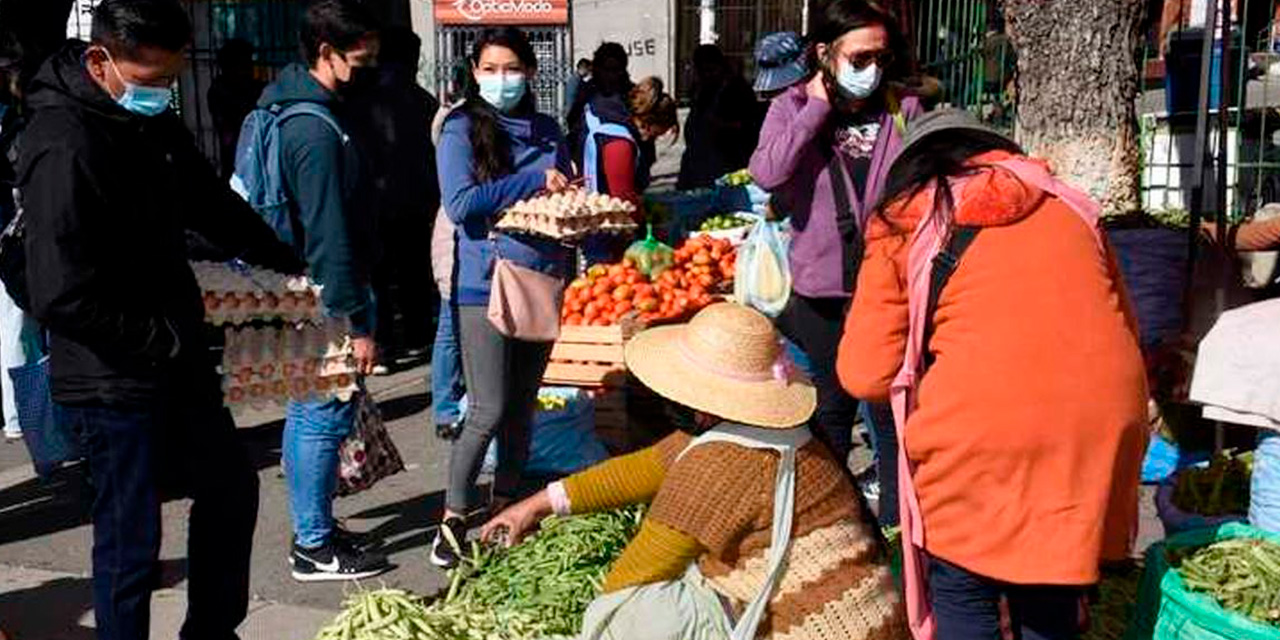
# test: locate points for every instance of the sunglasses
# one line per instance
(863, 60)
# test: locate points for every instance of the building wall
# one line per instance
(645, 29)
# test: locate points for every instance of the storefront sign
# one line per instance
(480, 12)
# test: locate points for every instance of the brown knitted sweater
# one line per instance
(715, 504)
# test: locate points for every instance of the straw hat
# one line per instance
(727, 362)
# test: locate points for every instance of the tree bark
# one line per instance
(1077, 84)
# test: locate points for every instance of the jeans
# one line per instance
(967, 606)
(503, 376)
(190, 444)
(312, 433)
(1264, 499)
(19, 346)
(446, 367)
(816, 324)
(884, 437)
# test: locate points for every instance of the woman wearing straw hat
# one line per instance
(1022, 442)
(752, 513)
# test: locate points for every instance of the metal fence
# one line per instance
(738, 25)
(961, 44)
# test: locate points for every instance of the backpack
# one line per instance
(259, 176)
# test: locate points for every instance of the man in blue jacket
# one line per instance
(322, 173)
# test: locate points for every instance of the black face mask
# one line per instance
(362, 81)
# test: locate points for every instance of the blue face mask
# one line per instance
(858, 84)
(141, 99)
(502, 90)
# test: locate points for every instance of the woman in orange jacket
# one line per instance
(1028, 430)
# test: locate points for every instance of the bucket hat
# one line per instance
(780, 61)
(727, 361)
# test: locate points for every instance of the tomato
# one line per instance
(648, 317)
(643, 289)
(621, 292)
(634, 278)
(668, 296)
(716, 253)
(591, 310)
(579, 283)
(628, 263)
(697, 290)
(601, 287)
(706, 280)
(574, 305)
(622, 307)
(597, 271)
(616, 270)
(646, 304)
(574, 320)
(599, 322)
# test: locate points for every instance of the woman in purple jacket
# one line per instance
(824, 152)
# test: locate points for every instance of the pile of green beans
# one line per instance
(1242, 575)
(534, 591)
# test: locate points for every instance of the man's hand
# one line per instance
(365, 354)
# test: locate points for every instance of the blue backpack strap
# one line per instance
(310, 109)
(591, 146)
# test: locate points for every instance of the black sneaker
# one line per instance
(336, 562)
(346, 539)
(446, 549)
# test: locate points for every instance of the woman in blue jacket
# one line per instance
(494, 150)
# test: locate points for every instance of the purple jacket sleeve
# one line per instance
(786, 134)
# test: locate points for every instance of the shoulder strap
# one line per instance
(310, 109)
(944, 265)
(846, 221)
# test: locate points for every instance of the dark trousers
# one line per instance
(967, 606)
(816, 324)
(136, 453)
(502, 377)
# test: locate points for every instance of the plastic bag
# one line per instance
(563, 440)
(762, 277)
(50, 440)
(651, 256)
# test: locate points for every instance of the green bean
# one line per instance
(1241, 575)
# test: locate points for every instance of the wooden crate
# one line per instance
(590, 356)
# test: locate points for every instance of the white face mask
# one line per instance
(858, 84)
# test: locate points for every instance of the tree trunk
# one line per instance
(1077, 83)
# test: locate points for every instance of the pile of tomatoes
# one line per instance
(702, 269)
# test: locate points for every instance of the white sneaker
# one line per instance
(12, 434)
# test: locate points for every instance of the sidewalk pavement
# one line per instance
(45, 538)
(41, 605)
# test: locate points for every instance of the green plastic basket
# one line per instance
(1168, 611)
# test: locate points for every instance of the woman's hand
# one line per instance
(556, 181)
(817, 88)
(516, 522)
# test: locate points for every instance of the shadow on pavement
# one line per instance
(410, 521)
(404, 406)
(39, 507)
(52, 610)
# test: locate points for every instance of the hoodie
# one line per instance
(325, 183)
(108, 198)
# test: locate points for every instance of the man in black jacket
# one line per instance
(111, 182)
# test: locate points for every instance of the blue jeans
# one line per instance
(446, 367)
(312, 433)
(967, 606)
(189, 445)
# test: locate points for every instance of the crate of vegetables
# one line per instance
(1219, 583)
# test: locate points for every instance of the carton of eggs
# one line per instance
(265, 365)
(238, 295)
(569, 215)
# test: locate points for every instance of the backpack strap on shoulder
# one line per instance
(309, 109)
(944, 266)
(894, 104)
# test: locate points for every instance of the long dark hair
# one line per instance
(490, 149)
(839, 17)
(938, 159)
